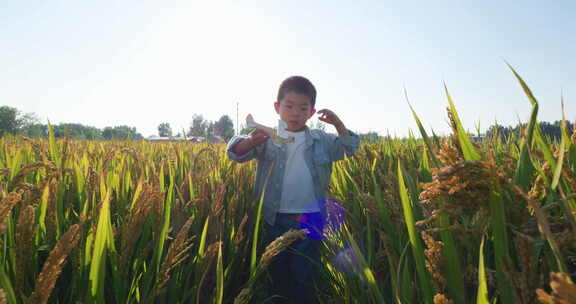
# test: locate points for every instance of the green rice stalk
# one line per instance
(101, 243)
(44, 207)
(468, 148)
(422, 132)
(404, 278)
(424, 280)
(564, 146)
(54, 155)
(561, 150)
(482, 294)
(544, 228)
(544, 147)
(525, 169)
(456, 288)
(204, 236)
(219, 277)
(389, 231)
(254, 251)
(166, 222)
(501, 250)
(6, 284)
(365, 270)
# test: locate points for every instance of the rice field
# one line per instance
(426, 220)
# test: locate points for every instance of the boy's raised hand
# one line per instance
(330, 117)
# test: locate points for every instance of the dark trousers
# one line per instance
(292, 273)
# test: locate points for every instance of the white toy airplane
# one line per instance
(278, 135)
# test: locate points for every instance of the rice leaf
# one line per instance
(165, 224)
(561, 151)
(54, 155)
(6, 284)
(501, 250)
(422, 132)
(365, 270)
(254, 250)
(219, 277)
(202, 245)
(98, 265)
(415, 241)
(482, 294)
(468, 148)
(44, 208)
(525, 169)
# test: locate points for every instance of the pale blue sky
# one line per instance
(140, 63)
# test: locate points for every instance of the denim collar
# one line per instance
(310, 136)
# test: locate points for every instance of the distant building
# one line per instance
(194, 139)
(197, 139)
(478, 138)
(215, 139)
(163, 138)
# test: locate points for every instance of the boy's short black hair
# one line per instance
(299, 85)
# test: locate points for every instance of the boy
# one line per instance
(294, 177)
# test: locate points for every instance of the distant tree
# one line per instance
(34, 130)
(92, 133)
(30, 126)
(551, 130)
(120, 133)
(108, 133)
(210, 128)
(182, 133)
(371, 136)
(198, 126)
(164, 130)
(9, 122)
(28, 119)
(224, 127)
(71, 130)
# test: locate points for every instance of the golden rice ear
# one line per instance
(563, 290)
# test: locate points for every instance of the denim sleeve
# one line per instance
(253, 153)
(339, 145)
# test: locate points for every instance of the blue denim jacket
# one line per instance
(321, 150)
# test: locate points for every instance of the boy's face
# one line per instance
(295, 110)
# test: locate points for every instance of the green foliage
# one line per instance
(9, 123)
(120, 133)
(198, 126)
(224, 127)
(164, 130)
(551, 130)
(371, 137)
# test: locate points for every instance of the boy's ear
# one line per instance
(277, 107)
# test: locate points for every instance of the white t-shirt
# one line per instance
(297, 188)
